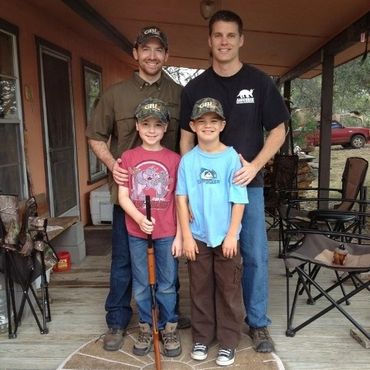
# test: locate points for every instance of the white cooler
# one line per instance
(101, 208)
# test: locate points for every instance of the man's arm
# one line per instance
(187, 141)
(274, 141)
(101, 150)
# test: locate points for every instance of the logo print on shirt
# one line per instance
(208, 176)
(245, 96)
(150, 178)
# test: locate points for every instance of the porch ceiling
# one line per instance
(279, 34)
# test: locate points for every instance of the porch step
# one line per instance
(360, 337)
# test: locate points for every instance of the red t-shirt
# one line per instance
(152, 173)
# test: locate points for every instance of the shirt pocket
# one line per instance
(125, 133)
(125, 125)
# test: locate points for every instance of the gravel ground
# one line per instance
(338, 159)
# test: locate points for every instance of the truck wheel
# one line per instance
(357, 141)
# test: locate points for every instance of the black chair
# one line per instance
(283, 176)
(310, 248)
(353, 178)
(328, 213)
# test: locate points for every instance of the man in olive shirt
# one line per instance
(114, 119)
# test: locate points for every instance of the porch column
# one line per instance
(325, 124)
(287, 147)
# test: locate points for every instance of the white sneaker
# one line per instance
(199, 352)
(225, 356)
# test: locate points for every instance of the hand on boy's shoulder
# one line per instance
(246, 174)
(120, 175)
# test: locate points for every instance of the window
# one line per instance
(92, 76)
(335, 124)
(12, 168)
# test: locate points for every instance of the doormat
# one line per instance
(92, 356)
(98, 240)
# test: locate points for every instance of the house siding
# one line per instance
(33, 22)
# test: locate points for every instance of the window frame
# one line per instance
(94, 71)
(13, 32)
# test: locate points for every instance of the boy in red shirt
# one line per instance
(152, 171)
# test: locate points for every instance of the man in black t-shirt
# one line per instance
(252, 104)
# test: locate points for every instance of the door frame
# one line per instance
(46, 47)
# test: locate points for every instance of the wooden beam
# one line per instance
(325, 125)
(287, 147)
(86, 11)
(342, 41)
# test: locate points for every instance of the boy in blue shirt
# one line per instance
(210, 209)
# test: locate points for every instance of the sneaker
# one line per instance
(171, 340)
(199, 351)
(113, 339)
(183, 323)
(225, 356)
(261, 339)
(144, 341)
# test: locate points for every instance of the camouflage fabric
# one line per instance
(152, 107)
(207, 105)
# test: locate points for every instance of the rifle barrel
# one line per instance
(152, 280)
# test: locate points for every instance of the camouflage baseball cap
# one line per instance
(152, 107)
(207, 105)
(149, 32)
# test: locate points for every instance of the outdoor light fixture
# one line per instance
(208, 7)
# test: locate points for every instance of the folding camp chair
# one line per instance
(353, 178)
(283, 176)
(309, 247)
(336, 216)
(23, 262)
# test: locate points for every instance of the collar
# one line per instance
(142, 83)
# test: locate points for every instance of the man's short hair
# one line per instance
(225, 16)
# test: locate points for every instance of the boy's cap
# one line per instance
(152, 107)
(149, 32)
(207, 105)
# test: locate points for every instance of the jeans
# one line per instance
(166, 276)
(254, 250)
(117, 304)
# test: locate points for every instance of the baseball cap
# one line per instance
(207, 105)
(152, 107)
(149, 32)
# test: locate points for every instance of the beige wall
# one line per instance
(34, 22)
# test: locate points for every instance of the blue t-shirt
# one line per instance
(206, 179)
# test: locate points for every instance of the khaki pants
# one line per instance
(216, 301)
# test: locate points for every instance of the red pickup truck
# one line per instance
(355, 137)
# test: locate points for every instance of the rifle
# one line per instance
(152, 280)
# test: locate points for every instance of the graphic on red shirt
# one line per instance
(150, 178)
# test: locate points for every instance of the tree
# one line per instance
(350, 90)
(182, 75)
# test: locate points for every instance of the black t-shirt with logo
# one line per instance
(251, 104)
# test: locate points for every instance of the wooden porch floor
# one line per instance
(78, 316)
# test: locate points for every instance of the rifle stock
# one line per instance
(152, 280)
(157, 351)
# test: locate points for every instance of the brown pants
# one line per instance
(216, 300)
